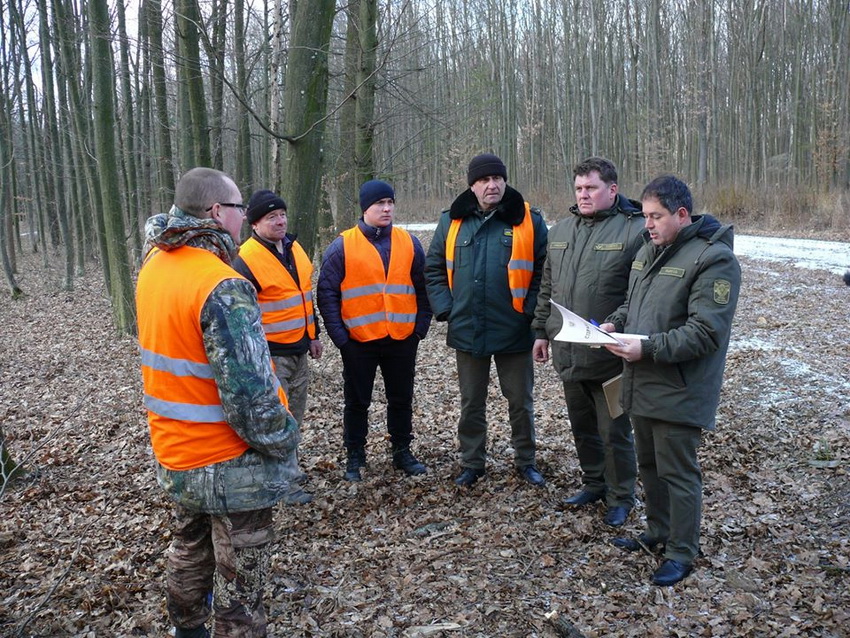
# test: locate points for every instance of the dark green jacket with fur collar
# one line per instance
(479, 308)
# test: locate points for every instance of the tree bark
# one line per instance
(244, 173)
(52, 145)
(305, 100)
(196, 129)
(121, 290)
(165, 157)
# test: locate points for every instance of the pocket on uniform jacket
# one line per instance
(463, 255)
(507, 243)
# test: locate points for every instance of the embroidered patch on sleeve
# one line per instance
(558, 245)
(722, 291)
(637, 265)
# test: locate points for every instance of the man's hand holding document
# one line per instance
(577, 330)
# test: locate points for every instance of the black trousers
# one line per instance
(360, 362)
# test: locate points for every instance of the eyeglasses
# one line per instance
(241, 207)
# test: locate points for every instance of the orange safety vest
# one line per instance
(376, 304)
(521, 265)
(287, 307)
(186, 420)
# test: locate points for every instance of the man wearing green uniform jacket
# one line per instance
(587, 270)
(482, 274)
(683, 291)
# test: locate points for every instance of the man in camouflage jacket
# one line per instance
(222, 510)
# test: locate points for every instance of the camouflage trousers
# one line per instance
(293, 372)
(218, 564)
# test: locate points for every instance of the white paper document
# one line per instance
(577, 330)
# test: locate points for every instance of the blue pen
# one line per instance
(593, 323)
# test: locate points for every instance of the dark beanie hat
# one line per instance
(374, 190)
(261, 204)
(485, 165)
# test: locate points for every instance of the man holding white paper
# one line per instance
(587, 271)
(683, 290)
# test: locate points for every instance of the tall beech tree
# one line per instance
(305, 112)
(108, 180)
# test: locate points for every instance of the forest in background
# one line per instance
(104, 104)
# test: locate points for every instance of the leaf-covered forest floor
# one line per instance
(83, 537)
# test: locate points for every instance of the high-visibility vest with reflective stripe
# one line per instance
(287, 307)
(376, 304)
(520, 266)
(185, 416)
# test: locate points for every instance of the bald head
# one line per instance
(200, 188)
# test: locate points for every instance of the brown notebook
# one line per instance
(611, 388)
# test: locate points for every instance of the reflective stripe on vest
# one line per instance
(520, 266)
(287, 307)
(376, 304)
(186, 419)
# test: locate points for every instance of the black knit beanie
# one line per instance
(373, 191)
(485, 165)
(263, 202)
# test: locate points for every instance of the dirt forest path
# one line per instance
(82, 541)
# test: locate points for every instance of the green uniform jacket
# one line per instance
(587, 271)
(479, 309)
(684, 299)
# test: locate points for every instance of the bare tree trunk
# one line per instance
(121, 291)
(70, 73)
(305, 99)
(364, 160)
(133, 201)
(52, 145)
(215, 48)
(36, 201)
(196, 129)
(9, 469)
(345, 185)
(156, 53)
(244, 173)
(276, 66)
(6, 244)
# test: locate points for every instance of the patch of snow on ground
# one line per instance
(802, 253)
(751, 343)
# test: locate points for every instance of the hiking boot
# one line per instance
(355, 460)
(469, 476)
(297, 496)
(404, 460)
(532, 475)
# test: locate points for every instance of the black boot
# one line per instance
(197, 632)
(404, 460)
(355, 460)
